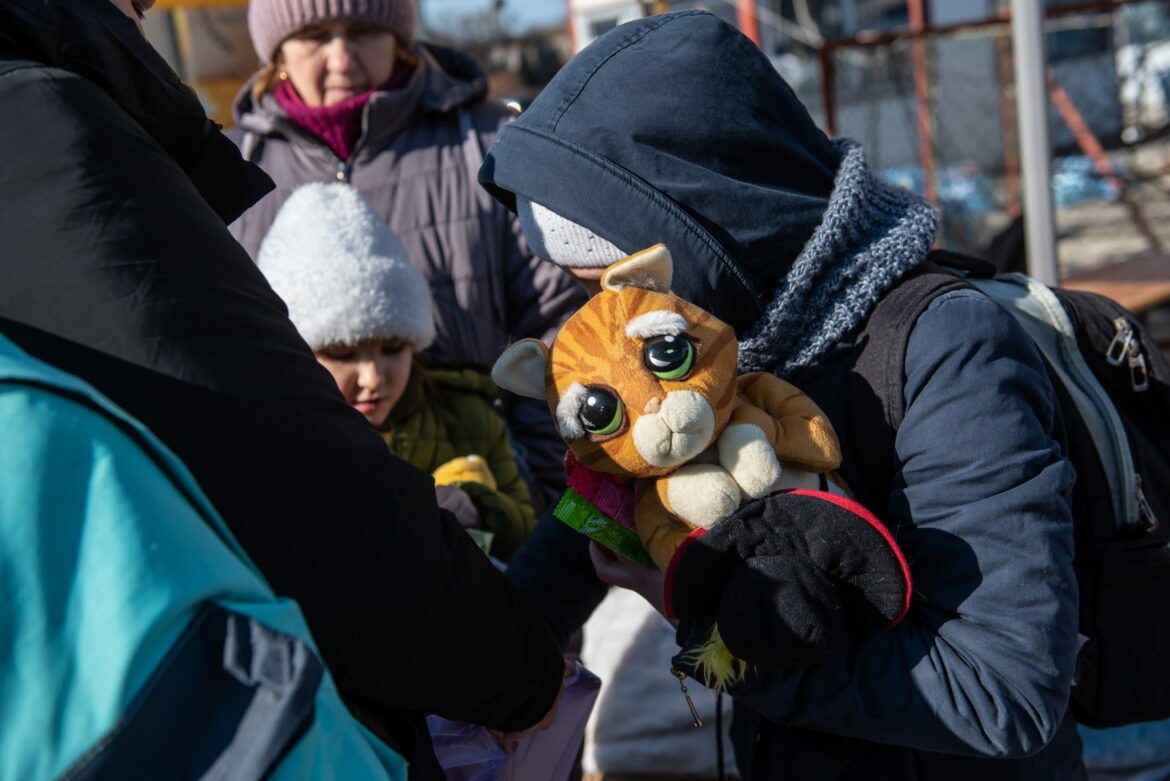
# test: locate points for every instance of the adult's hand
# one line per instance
(617, 570)
(456, 500)
(509, 739)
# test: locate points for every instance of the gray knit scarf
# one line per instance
(872, 233)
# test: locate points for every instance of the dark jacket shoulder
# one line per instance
(149, 299)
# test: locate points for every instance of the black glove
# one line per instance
(787, 574)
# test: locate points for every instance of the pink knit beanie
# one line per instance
(271, 21)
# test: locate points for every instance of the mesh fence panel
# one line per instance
(1109, 123)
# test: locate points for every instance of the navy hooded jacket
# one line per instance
(676, 129)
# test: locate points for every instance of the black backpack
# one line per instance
(1113, 385)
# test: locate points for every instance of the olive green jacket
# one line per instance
(448, 413)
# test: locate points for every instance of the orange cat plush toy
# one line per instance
(643, 384)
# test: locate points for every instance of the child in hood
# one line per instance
(677, 129)
(366, 313)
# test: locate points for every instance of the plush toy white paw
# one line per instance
(702, 494)
(744, 451)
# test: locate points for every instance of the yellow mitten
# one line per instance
(465, 469)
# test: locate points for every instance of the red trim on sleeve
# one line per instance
(846, 503)
(672, 566)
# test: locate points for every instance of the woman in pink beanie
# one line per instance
(345, 93)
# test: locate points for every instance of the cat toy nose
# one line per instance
(652, 406)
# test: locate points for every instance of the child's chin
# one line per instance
(376, 417)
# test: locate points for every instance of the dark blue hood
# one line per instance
(676, 129)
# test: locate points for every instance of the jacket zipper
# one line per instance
(345, 167)
(682, 677)
(1125, 505)
(1127, 347)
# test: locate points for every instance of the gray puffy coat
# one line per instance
(416, 164)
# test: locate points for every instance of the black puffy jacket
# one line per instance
(118, 267)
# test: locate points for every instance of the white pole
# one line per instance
(1035, 150)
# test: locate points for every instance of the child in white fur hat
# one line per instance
(365, 311)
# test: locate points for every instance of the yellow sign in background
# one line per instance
(211, 45)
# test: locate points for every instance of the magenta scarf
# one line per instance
(339, 125)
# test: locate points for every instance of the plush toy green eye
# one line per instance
(601, 411)
(669, 357)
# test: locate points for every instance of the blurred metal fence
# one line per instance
(937, 113)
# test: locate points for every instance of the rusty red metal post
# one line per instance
(925, 123)
(1093, 150)
(570, 28)
(828, 102)
(1086, 140)
(747, 19)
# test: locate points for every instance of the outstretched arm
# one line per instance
(150, 299)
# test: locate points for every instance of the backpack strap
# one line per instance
(887, 332)
(878, 375)
(897, 312)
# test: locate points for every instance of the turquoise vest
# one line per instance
(135, 634)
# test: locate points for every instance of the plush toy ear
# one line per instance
(650, 269)
(521, 368)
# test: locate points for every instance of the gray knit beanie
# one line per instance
(564, 242)
(343, 274)
(271, 21)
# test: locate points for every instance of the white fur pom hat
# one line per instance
(343, 274)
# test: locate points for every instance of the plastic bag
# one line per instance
(468, 752)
